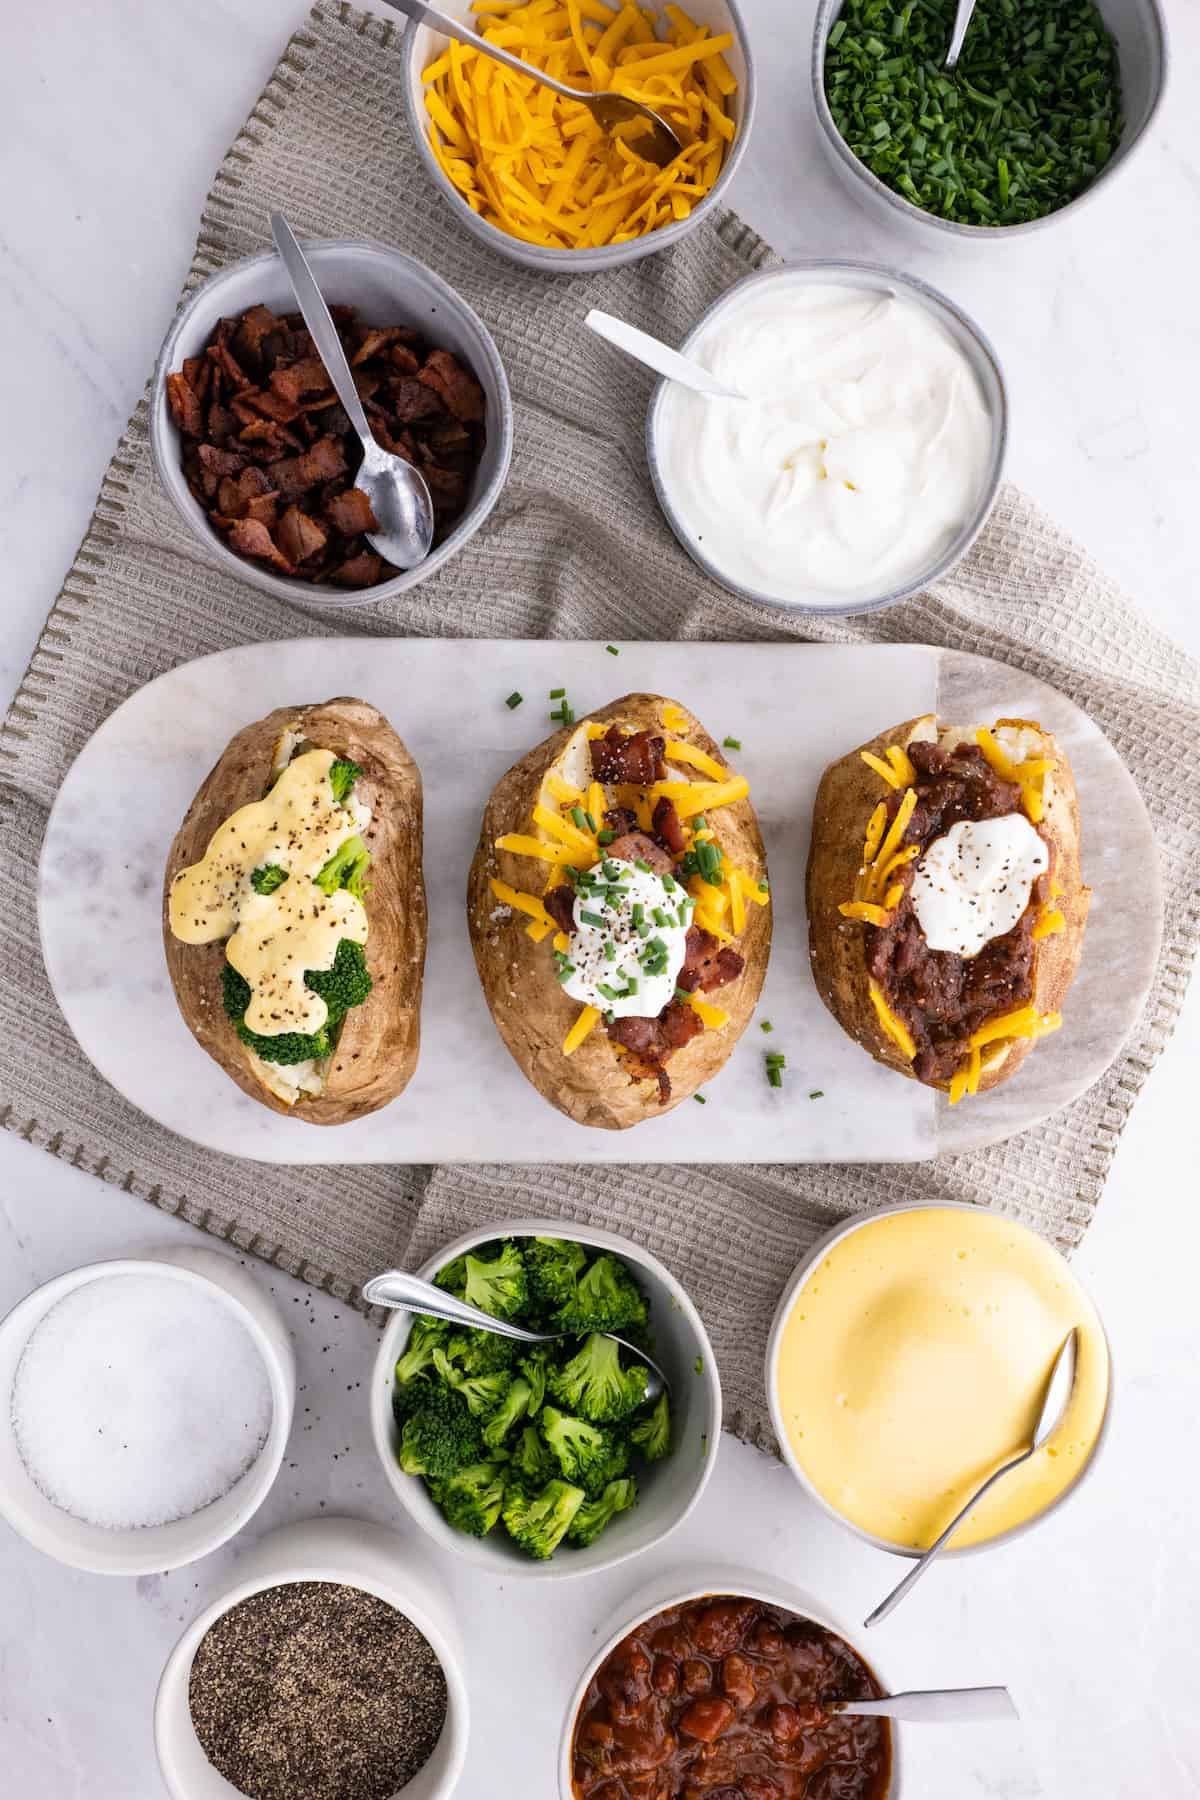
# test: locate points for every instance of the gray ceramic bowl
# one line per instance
(1140, 30)
(388, 288)
(422, 43)
(966, 334)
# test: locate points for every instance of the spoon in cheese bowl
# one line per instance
(1054, 1405)
(657, 356)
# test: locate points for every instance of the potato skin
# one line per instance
(846, 797)
(531, 1012)
(378, 1044)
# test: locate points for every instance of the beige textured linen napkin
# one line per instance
(576, 548)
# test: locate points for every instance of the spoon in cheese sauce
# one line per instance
(1058, 1397)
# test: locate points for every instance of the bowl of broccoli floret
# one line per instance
(548, 1459)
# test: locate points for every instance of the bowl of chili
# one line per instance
(724, 1666)
(1047, 103)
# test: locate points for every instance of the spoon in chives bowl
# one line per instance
(962, 21)
(639, 126)
(1057, 1399)
(398, 493)
(409, 1293)
(658, 356)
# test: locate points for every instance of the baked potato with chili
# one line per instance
(946, 910)
(294, 912)
(619, 912)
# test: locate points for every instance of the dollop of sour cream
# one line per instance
(860, 452)
(974, 883)
(629, 942)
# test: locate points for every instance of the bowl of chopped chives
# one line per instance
(1048, 100)
(530, 174)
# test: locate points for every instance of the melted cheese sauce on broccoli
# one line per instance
(275, 938)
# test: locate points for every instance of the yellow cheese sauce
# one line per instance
(274, 939)
(914, 1362)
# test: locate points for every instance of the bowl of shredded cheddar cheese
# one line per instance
(532, 174)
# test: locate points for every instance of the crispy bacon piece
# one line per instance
(649, 1043)
(708, 964)
(560, 904)
(637, 760)
(377, 339)
(184, 403)
(307, 377)
(351, 512)
(363, 570)
(411, 398)
(459, 389)
(667, 826)
(252, 538)
(636, 846)
(220, 462)
(253, 326)
(300, 537)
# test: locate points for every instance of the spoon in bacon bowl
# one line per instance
(620, 912)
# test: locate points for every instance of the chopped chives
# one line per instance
(612, 649)
(637, 912)
(766, 1025)
(731, 743)
(591, 918)
(514, 699)
(682, 993)
(579, 818)
(610, 950)
(670, 883)
(610, 993)
(557, 693)
(699, 1099)
(660, 917)
(591, 823)
(775, 1077)
(816, 1094)
(643, 865)
(605, 837)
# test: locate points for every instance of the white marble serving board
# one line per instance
(793, 707)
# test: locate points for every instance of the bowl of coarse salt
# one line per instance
(144, 1409)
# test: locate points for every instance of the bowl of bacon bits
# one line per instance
(531, 173)
(258, 455)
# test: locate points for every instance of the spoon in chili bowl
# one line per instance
(408, 1293)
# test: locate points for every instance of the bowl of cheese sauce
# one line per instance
(908, 1361)
(861, 452)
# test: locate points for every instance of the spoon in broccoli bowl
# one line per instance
(409, 1293)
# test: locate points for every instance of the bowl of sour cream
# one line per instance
(865, 456)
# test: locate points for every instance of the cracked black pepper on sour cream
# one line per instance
(973, 884)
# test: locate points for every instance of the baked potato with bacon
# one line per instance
(619, 911)
(946, 909)
(294, 912)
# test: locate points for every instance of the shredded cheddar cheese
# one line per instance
(538, 165)
(699, 759)
(587, 1021)
(714, 1017)
(893, 1027)
(673, 716)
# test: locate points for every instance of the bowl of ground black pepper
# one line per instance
(1048, 100)
(330, 1671)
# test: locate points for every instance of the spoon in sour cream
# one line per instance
(658, 356)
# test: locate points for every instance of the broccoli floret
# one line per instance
(531, 1462)
(588, 1455)
(595, 1385)
(471, 1499)
(539, 1522)
(347, 984)
(439, 1436)
(481, 1352)
(512, 1408)
(346, 869)
(594, 1515)
(606, 1299)
(342, 776)
(652, 1435)
(426, 1336)
(482, 1393)
(498, 1287)
(268, 878)
(536, 1369)
(554, 1266)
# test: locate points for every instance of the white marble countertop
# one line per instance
(114, 118)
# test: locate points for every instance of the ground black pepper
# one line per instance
(316, 1691)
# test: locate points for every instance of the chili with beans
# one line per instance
(723, 1699)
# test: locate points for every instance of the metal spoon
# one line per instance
(933, 1706)
(398, 493)
(660, 357)
(962, 20)
(411, 1294)
(656, 141)
(1058, 1394)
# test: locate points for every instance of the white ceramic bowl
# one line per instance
(422, 43)
(354, 1554)
(388, 288)
(970, 340)
(157, 1547)
(668, 1490)
(676, 1589)
(1140, 30)
(801, 1274)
